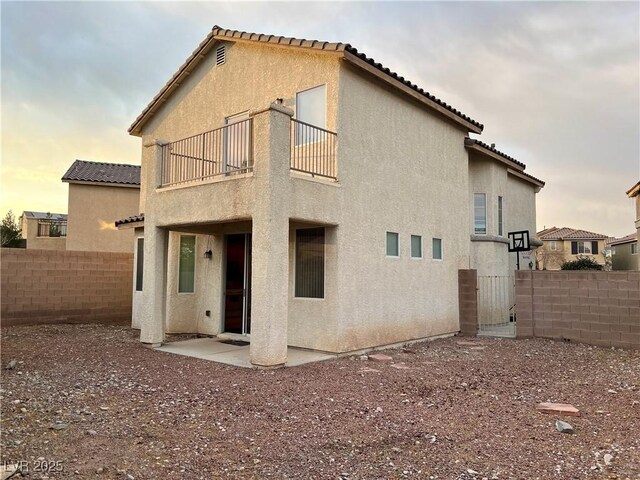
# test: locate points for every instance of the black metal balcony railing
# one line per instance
(52, 228)
(313, 150)
(224, 151)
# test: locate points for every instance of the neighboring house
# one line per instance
(99, 194)
(634, 192)
(44, 231)
(567, 244)
(300, 193)
(624, 252)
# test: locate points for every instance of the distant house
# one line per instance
(634, 192)
(566, 244)
(44, 231)
(624, 252)
(99, 194)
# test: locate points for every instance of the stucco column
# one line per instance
(153, 302)
(270, 237)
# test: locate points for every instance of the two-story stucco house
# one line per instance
(301, 194)
(99, 194)
(567, 244)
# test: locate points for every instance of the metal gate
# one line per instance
(496, 306)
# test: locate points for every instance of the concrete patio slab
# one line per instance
(214, 350)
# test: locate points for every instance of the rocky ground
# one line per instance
(90, 398)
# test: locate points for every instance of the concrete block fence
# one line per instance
(47, 286)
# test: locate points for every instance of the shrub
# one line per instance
(581, 263)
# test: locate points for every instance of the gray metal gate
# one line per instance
(496, 306)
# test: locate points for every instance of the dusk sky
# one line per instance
(557, 85)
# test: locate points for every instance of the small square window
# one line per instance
(393, 244)
(437, 249)
(634, 248)
(416, 246)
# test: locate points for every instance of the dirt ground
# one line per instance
(441, 410)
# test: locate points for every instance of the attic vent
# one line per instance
(220, 55)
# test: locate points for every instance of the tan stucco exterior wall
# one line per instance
(623, 259)
(401, 169)
(29, 227)
(93, 210)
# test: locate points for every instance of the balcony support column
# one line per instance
(270, 238)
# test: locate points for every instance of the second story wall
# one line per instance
(93, 210)
(29, 231)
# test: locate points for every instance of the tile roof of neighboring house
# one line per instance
(634, 191)
(567, 233)
(218, 32)
(100, 172)
(45, 216)
(632, 237)
(132, 219)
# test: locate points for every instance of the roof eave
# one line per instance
(101, 184)
(634, 191)
(471, 144)
(539, 184)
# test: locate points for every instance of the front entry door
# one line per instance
(237, 293)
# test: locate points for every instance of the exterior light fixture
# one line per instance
(208, 254)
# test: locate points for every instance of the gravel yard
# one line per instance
(449, 409)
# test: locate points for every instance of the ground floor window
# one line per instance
(437, 248)
(139, 263)
(634, 249)
(187, 267)
(309, 274)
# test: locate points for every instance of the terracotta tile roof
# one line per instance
(218, 32)
(568, 233)
(535, 179)
(632, 237)
(492, 148)
(45, 216)
(132, 219)
(100, 172)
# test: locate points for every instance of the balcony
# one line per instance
(52, 228)
(228, 151)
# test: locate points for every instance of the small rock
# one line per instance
(104, 408)
(379, 409)
(363, 357)
(130, 477)
(396, 449)
(99, 470)
(608, 458)
(58, 426)
(380, 357)
(471, 472)
(611, 391)
(11, 365)
(564, 427)
(91, 432)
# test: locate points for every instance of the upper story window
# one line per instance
(634, 248)
(581, 247)
(500, 217)
(480, 213)
(311, 106)
(393, 244)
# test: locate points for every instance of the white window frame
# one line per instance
(441, 250)
(411, 246)
(195, 256)
(583, 243)
(297, 116)
(486, 226)
(386, 244)
(500, 212)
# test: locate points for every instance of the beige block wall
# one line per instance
(599, 308)
(93, 210)
(45, 286)
(29, 232)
